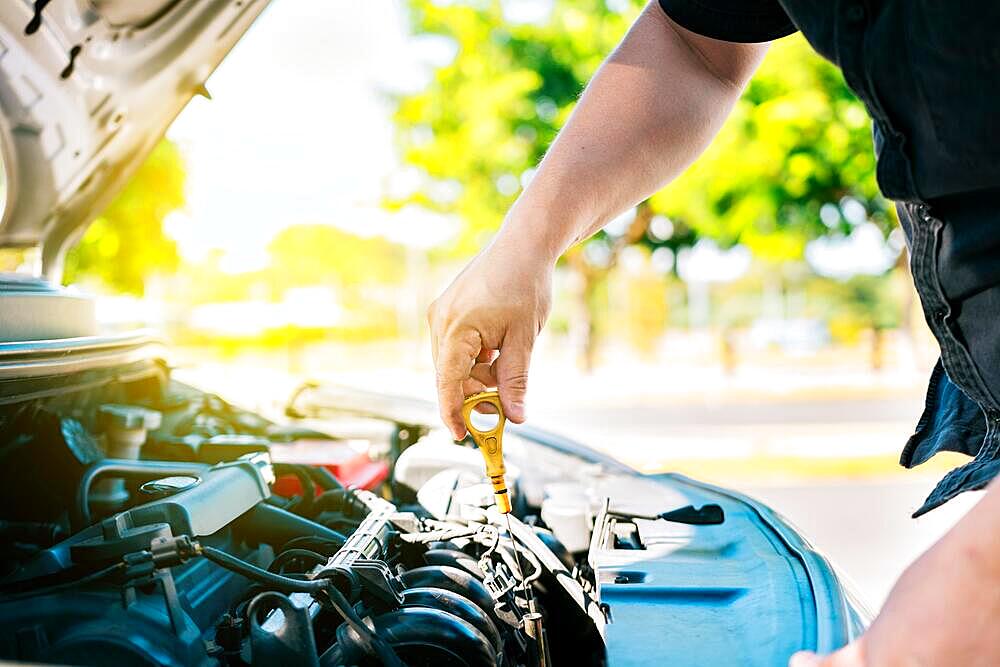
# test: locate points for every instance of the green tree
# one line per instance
(797, 140)
(489, 115)
(126, 243)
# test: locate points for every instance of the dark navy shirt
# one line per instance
(928, 71)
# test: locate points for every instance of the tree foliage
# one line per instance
(488, 116)
(126, 243)
(797, 139)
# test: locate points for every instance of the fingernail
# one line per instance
(804, 659)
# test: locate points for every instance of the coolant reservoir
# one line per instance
(456, 494)
(565, 510)
(422, 461)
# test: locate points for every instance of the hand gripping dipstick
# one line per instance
(490, 444)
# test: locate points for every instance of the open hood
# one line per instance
(87, 89)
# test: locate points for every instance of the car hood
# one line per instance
(87, 89)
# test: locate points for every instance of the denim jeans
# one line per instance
(961, 412)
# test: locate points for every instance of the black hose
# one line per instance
(32, 532)
(273, 525)
(423, 636)
(343, 501)
(455, 580)
(278, 501)
(293, 554)
(319, 587)
(62, 586)
(335, 500)
(456, 605)
(324, 478)
(302, 473)
(454, 558)
(318, 544)
(382, 650)
(254, 573)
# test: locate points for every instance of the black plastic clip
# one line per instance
(706, 515)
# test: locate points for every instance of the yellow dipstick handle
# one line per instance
(490, 444)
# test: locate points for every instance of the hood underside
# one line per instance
(87, 89)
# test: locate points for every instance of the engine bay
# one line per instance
(150, 523)
(144, 521)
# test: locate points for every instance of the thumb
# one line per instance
(512, 373)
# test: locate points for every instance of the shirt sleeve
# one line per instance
(731, 20)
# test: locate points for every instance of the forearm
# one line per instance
(650, 110)
(975, 539)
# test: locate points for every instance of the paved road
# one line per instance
(864, 527)
(648, 432)
(662, 415)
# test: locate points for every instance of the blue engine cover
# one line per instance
(749, 591)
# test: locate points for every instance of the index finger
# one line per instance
(456, 356)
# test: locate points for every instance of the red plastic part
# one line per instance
(349, 464)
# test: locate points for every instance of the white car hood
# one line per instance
(87, 89)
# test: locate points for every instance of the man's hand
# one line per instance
(484, 326)
(648, 113)
(945, 606)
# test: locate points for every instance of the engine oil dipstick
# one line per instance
(490, 442)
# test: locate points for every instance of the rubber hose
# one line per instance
(74, 584)
(305, 481)
(32, 532)
(354, 625)
(326, 480)
(334, 500)
(254, 573)
(454, 580)
(454, 558)
(421, 636)
(292, 554)
(458, 605)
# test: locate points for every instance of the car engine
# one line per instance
(146, 522)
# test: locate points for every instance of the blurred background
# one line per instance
(753, 324)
